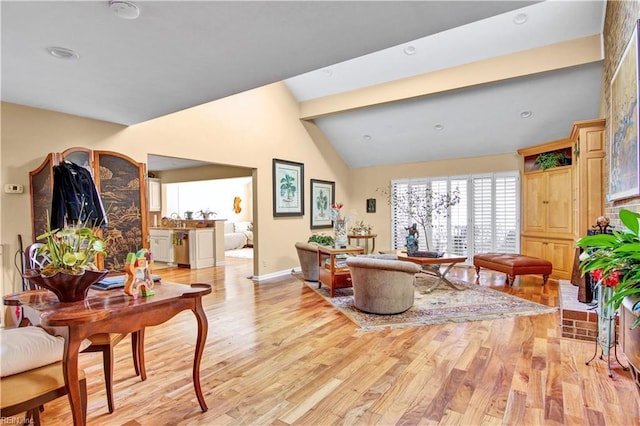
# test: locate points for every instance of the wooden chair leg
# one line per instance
(83, 398)
(107, 362)
(137, 347)
(35, 416)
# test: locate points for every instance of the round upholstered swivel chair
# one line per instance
(382, 285)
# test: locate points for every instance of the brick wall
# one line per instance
(621, 18)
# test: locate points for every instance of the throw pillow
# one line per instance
(26, 348)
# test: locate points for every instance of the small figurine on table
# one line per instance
(138, 280)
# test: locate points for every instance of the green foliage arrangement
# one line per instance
(71, 250)
(617, 255)
(323, 240)
(549, 160)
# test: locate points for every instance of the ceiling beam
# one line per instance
(548, 58)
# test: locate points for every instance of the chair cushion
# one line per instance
(32, 384)
(26, 348)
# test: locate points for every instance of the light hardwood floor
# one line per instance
(277, 353)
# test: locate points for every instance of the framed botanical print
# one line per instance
(288, 188)
(322, 197)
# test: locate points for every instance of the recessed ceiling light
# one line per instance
(526, 114)
(438, 127)
(124, 9)
(520, 18)
(366, 138)
(409, 50)
(62, 53)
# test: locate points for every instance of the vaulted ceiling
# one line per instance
(386, 81)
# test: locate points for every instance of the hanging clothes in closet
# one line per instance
(75, 197)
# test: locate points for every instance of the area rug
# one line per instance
(243, 253)
(440, 305)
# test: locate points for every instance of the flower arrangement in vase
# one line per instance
(361, 228)
(339, 225)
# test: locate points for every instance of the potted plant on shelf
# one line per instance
(71, 267)
(549, 160)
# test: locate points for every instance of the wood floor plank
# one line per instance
(279, 354)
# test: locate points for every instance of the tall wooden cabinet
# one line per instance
(121, 184)
(559, 204)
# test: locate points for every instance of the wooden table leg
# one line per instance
(137, 346)
(71, 379)
(203, 327)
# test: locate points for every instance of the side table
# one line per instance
(366, 239)
(334, 273)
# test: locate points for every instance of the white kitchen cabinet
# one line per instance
(201, 248)
(155, 194)
(161, 245)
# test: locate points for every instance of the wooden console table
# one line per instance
(366, 239)
(113, 311)
(330, 273)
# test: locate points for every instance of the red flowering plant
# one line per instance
(611, 280)
(614, 260)
(335, 211)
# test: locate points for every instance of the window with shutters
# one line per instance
(485, 219)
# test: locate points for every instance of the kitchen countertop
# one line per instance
(177, 228)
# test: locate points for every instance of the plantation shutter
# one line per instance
(399, 220)
(440, 231)
(482, 215)
(458, 219)
(486, 218)
(506, 208)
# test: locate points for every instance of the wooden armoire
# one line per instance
(561, 203)
(122, 186)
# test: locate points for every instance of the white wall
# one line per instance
(214, 195)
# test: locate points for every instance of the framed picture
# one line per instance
(371, 205)
(323, 195)
(624, 166)
(288, 188)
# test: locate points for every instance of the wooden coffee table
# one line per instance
(431, 266)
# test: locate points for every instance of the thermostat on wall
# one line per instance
(11, 188)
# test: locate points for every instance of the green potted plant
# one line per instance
(549, 160)
(322, 239)
(617, 255)
(71, 267)
(614, 262)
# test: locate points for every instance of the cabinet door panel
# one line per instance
(559, 205)
(155, 197)
(533, 197)
(533, 247)
(561, 253)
